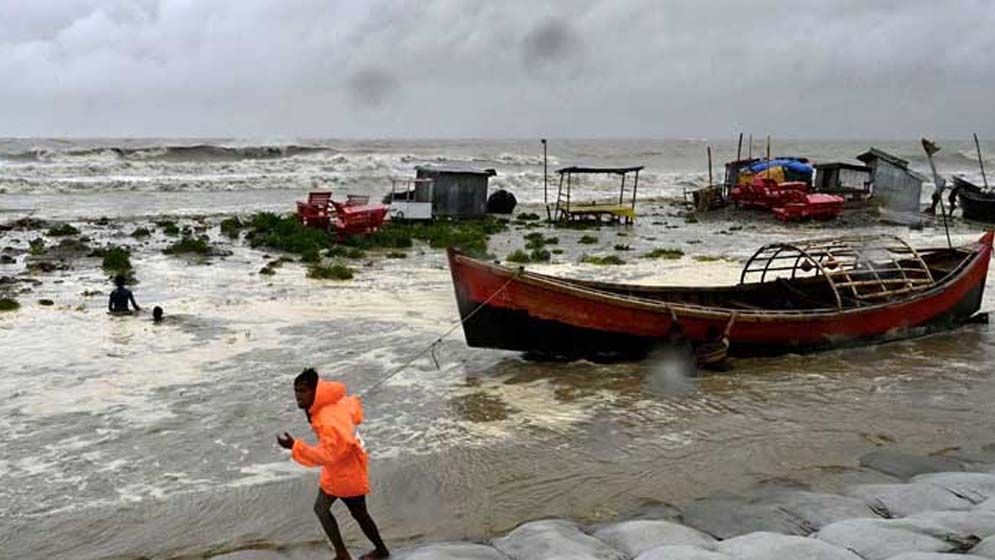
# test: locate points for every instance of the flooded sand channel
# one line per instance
(126, 439)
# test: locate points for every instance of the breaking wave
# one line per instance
(195, 152)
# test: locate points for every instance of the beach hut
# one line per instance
(457, 192)
(896, 188)
(849, 180)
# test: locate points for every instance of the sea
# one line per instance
(120, 438)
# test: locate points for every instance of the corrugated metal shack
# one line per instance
(849, 180)
(896, 188)
(457, 192)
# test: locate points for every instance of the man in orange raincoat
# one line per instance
(339, 453)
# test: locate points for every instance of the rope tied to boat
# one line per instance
(438, 340)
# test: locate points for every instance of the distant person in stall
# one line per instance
(121, 297)
(339, 452)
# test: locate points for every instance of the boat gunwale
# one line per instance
(554, 283)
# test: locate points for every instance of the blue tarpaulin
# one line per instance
(787, 163)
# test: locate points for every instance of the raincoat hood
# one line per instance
(326, 393)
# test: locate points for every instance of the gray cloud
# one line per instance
(552, 49)
(373, 87)
(837, 68)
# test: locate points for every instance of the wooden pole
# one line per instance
(739, 147)
(709, 149)
(768, 157)
(545, 188)
(931, 148)
(981, 162)
(751, 147)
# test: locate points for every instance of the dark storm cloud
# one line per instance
(372, 87)
(842, 68)
(552, 47)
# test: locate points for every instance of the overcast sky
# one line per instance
(497, 68)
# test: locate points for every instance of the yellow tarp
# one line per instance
(776, 173)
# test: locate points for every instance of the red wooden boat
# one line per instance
(792, 297)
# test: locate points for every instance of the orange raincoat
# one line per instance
(339, 452)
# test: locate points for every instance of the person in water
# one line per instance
(157, 314)
(339, 452)
(121, 296)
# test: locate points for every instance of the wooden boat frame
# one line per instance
(844, 264)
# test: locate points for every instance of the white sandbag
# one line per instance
(725, 517)
(554, 539)
(907, 465)
(880, 539)
(450, 551)
(985, 549)
(900, 500)
(975, 487)
(817, 509)
(681, 552)
(935, 556)
(774, 546)
(980, 523)
(636, 537)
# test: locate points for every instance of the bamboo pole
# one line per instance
(931, 148)
(981, 162)
(709, 150)
(767, 172)
(739, 147)
(545, 188)
(751, 146)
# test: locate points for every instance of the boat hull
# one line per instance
(513, 310)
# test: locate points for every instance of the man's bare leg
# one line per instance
(323, 509)
(357, 507)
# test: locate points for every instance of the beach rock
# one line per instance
(774, 546)
(636, 537)
(816, 509)
(980, 523)
(554, 539)
(681, 552)
(975, 487)
(725, 517)
(907, 465)
(450, 551)
(985, 549)
(900, 500)
(7, 259)
(880, 539)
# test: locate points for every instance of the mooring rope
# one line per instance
(431, 347)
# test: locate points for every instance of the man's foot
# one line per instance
(375, 554)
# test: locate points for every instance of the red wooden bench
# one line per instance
(358, 218)
(314, 212)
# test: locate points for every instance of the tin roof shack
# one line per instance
(457, 193)
(849, 180)
(896, 188)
